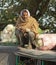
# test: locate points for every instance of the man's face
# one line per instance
(25, 15)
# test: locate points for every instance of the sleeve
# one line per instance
(35, 26)
(17, 23)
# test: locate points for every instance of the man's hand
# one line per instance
(37, 36)
(22, 29)
(28, 30)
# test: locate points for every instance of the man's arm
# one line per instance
(35, 27)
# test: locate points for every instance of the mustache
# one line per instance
(22, 19)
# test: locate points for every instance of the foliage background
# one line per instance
(43, 10)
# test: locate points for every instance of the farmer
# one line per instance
(26, 28)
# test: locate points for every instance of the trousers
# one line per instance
(25, 39)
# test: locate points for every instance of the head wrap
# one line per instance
(26, 11)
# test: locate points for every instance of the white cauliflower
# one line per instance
(8, 34)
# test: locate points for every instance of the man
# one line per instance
(26, 28)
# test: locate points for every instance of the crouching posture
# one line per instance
(26, 29)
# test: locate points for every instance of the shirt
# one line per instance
(29, 23)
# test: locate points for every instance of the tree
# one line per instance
(48, 20)
(43, 10)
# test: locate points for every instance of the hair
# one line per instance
(25, 10)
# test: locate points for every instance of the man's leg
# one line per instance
(25, 39)
(32, 39)
(19, 35)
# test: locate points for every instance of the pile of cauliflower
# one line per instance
(8, 34)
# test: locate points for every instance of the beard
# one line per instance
(24, 19)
